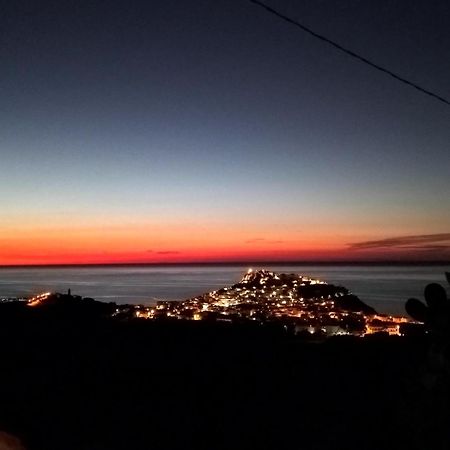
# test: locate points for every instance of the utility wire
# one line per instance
(349, 52)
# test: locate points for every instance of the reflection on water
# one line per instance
(386, 288)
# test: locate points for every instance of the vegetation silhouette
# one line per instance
(431, 410)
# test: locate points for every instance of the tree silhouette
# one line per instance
(436, 317)
(427, 416)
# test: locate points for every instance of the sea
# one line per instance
(384, 287)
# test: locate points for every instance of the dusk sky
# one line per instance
(169, 131)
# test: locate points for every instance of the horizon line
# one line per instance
(236, 263)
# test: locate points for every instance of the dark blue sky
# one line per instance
(218, 113)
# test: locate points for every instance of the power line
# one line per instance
(348, 52)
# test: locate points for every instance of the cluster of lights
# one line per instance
(38, 299)
(267, 296)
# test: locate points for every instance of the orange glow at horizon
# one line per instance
(174, 243)
(154, 243)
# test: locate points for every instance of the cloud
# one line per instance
(418, 242)
(430, 248)
(254, 241)
(263, 240)
(168, 252)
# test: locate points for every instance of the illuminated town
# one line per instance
(300, 304)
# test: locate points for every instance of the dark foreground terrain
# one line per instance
(81, 384)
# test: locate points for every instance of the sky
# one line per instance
(173, 131)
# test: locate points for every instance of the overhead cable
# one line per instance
(348, 52)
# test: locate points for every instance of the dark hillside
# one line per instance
(99, 384)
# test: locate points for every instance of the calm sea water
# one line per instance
(386, 288)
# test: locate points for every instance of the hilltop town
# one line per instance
(299, 303)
